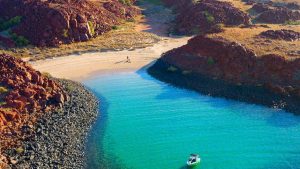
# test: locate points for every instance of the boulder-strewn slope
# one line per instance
(24, 94)
(231, 62)
(53, 22)
(203, 16)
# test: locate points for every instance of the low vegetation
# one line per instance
(6, 24)
(290, 22)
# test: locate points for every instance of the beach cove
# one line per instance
(146, 123)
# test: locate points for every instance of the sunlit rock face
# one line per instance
(52, 22)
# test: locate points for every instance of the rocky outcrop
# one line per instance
(50, 23)
(283, 34)
(278, 16)
(43, 121)
(25, 94)
(57, 139)
(235, 65)
(204, 16)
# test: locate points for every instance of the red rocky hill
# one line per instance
(53, 22)
(232, 62)
(202, 16)
(24, 94)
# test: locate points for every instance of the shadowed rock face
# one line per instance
(202, 16)
(53, 22)
(232, 62)
(27, 92)
(283, 34)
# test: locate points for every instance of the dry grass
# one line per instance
(261, 46)
(124, 37)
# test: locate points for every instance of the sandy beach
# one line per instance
(80, 67)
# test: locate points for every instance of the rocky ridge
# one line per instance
(237, 66)
(52, 22)
(205, 15)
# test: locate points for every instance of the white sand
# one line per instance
(80, 67)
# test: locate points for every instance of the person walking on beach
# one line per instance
(128, 60)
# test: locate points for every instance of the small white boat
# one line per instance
(193, 160)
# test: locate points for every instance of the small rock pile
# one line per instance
(283, 34)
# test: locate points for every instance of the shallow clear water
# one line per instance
(147, 124)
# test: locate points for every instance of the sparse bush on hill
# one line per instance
(19, 40)
(209, 17)
(291, 22)
(4, 25)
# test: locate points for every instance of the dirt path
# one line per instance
(79, 67)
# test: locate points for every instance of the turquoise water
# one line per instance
(147, 124)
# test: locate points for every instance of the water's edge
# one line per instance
(219, 88)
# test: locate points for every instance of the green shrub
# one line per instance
(209, 17)
(19, 40)
(210, 61)
(2, 103)
(115, 27)
(291, 22)
(4, 25)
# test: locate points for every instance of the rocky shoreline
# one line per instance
(58, 138)
(219, 88)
